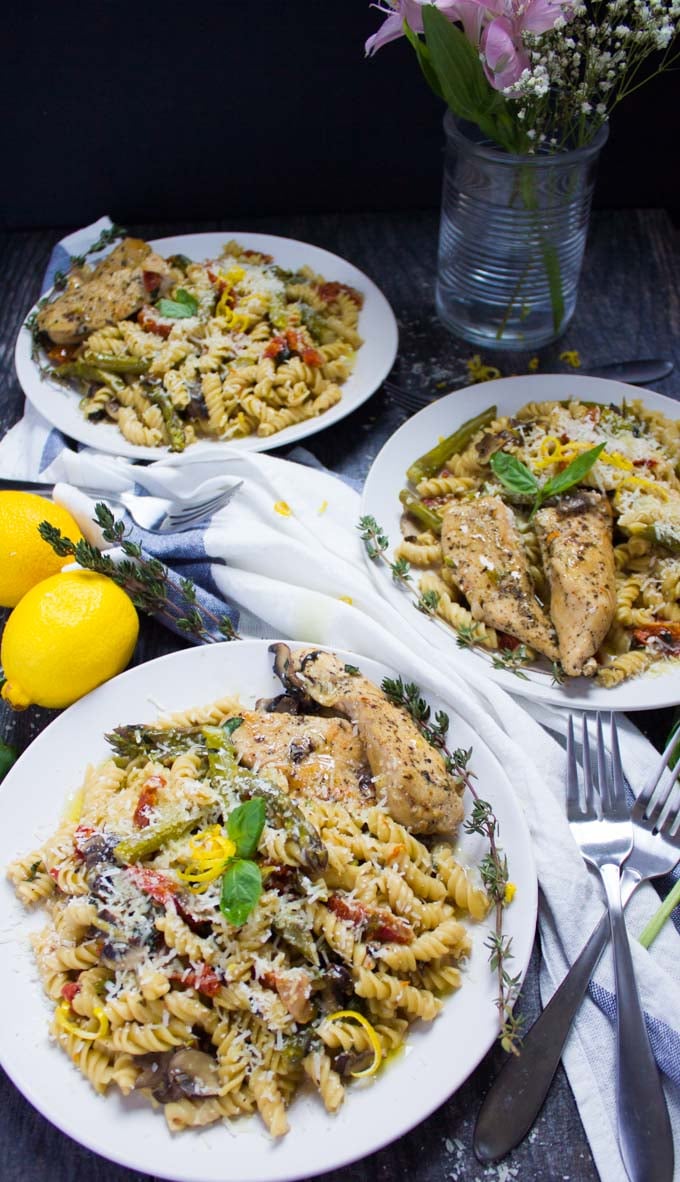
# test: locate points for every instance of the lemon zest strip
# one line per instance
(376, 1045)
(62, 1019)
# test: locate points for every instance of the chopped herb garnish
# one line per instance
(181, 307)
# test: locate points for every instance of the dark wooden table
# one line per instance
(629, 306)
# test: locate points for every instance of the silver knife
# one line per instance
(636, 373)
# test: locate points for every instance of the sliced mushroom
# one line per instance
(172, 1075)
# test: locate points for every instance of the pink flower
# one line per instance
(503, 55)
(501, 42)
(411, 12)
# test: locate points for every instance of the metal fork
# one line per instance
(517, 1095)
(158, 515)
(409, 400)
(161, 516)
(603, 829)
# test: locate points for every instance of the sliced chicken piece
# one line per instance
(409, 774)
(321, 757)
(117, 287)
(481, 543)
(575, 536)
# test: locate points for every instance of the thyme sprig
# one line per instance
(105, 239)
(377, 542)
(512, 659)
(147, 581)
(493, 867)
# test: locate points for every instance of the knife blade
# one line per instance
(636, 373)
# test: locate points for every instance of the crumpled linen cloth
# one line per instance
(305, 576)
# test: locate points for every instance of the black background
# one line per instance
(184, 110)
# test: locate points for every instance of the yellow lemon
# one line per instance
(25, 558)
(67, 635)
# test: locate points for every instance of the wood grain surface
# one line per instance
(629, 307)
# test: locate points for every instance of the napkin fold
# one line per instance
(285, 559)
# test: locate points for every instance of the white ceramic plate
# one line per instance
(128, 1131)
(377, 325)
(381, 500)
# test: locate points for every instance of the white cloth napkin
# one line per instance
(305, 576)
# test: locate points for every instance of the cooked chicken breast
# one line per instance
(575, 536)
(409, 774)
(117, 287)
(321, 757)
(481, 543)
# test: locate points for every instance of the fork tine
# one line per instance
(618, 780)
(573, 804)
(659, 805)
(198, 514)
(201, 508)
(603, 780)
(406, 399)
(587, 770)
(652, 784)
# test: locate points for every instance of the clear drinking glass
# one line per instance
(511, 239)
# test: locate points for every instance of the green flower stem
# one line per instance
(672, 900)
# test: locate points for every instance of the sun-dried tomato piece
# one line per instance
(148, 799)
(330, 291)
(69, 990)
(151, 281)
(157, 886)
(59, 354)
(152, 321)
(663, 632)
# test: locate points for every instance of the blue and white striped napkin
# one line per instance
(303, 576)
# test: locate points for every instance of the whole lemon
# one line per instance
(25, 558)
(66, 635)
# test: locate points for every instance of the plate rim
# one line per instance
(524, 938)
(30, 380)
(620, 697)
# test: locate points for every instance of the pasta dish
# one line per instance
(249, 899)
(173, 350)
(553, 533)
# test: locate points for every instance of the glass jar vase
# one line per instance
(511, 240)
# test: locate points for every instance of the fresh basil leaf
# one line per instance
(184, 297)
(353, 670)
(231, 725)
(513, 474)
(183, 306)
(574, 472)
(7, 757)
(245, 826)
(241, 889)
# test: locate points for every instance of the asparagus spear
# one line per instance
(86, 372)
(129, 742)
(134, 849)
(173, 423)
(422, 513)
(133, 365)
(435, 459)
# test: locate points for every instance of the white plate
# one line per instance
(381, 500)
(128, 1131)
(377, 325)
